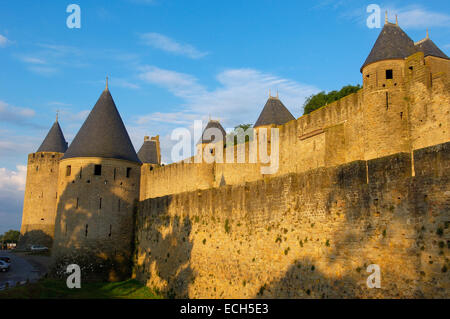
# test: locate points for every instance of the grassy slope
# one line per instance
(55, 289)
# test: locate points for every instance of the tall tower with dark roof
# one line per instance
(39, 208)
(98, 193)
(393, 67)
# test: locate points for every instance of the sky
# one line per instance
(172, 62)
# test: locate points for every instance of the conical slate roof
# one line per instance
(148, 152)
(209, 138)
(103, 134)
(429, 48)
(274, 112)
(54, 141)
(392, 43)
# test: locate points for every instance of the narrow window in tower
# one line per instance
(98, 170)
(86, 231)
(128, 172)
(100, 203)
(389, 74)
(68, 170)
(110, 230)
(81, 171)
(114, 173)
(78, 201)
(387, 100)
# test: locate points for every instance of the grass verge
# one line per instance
(57, 289)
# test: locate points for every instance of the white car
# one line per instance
(4, 266)
(38, 248)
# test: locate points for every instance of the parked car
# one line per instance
(38, 248)
(4, 266)
(5, 259)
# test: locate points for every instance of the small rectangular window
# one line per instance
(78, 201)
(68, 170)
(389, 74)
(86, 231)
(100, 203)
(114, 173)
(128, 172)
(98, 170)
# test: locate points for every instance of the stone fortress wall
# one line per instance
(309, 234)
(361, 181)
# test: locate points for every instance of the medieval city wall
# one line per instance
(310, 234)
(408, 112)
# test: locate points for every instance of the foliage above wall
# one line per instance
(11, 236)
(320, 99)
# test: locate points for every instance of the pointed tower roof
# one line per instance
(209, 139)
(103, 134)
(392, 43)
(429, 48)
(54, 141)
(148, 152)
(274, 112)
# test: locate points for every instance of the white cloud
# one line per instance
(180, 84)
(238, 98)
(162, 42)
(4, 41)
(12, 186)
(13, 181)
(418, 17)
(13, 114)
(32, 60)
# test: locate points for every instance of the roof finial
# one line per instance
(277, 94)
(428, 36)
(57, 113)
(396, 19)
(270, 95)
(385, 18)
(106, 83)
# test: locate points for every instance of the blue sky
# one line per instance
(171, 62)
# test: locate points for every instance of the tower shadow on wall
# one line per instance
(165, 263)
(94, 228)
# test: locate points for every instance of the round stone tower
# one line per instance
(98, 191)
(385, 95)
(39, 207)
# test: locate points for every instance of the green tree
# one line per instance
(320, 99)
(11, 236)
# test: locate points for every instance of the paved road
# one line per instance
(20, 271)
